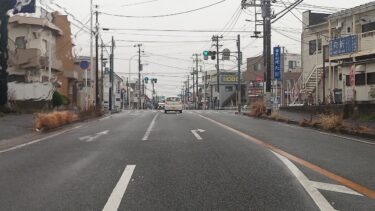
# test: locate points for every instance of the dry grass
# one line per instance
(258, 109)
(363, 129)
(331, 121)
(54, 119)
(276, 116)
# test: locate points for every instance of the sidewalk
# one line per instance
(300, 117)
(13, 125)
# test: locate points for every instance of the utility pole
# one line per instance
(188, 89)
(97, 99)
(127, 92)
(111, 74)
(216, 40)
(88, 99)
(266, 8)
(205, 90)
(239, 59)
(194, 97)
(139, 75)
(102, 70)
(196, 80)
(3, 56)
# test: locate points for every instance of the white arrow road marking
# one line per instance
(195, 133)
(92, 138)
(334, 188)
(318, 198)
(118, 192)
(150, 127)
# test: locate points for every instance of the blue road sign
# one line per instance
(23, 6)
(277, 63)
(84, 65)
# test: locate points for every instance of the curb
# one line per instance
(369, 136)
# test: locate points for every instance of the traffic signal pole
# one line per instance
(216, 40)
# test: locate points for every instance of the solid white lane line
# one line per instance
(39, 140)
(334, 188)
(317, 197)
(118, 192)
(150, 127)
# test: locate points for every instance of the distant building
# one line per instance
(255, 77)
(32, 53)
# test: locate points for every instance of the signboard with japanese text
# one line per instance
(230, 78)
(343, 45)
(277, 63)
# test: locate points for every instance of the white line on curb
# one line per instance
(149, 129)
(118, 192)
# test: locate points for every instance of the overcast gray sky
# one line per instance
(169, 53)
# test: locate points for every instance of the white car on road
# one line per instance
(173, 104)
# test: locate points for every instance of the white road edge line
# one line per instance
(39, 140)
(317, 197)
(150, 127)
(118, 192)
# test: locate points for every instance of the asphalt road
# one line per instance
(198, 160)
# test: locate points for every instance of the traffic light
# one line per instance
(146, 80)
(211, 54)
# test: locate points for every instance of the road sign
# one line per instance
(84, 65)
(277, 63)
(23, 6)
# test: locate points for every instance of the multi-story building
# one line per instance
(347, 38)
(33, 63)
(255, 78)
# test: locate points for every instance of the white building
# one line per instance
(32, 59)
(348, 39)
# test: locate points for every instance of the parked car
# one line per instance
(173, 104)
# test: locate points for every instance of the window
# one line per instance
(368, 27)
(257, 67)
(319, 45)
(228, 88)
(292, 64)
(20, 42)
(16, 78)
(348, 30)
(360, 79)
(312, 47)
(371, 78)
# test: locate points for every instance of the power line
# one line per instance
(178, 30)
(165, 15)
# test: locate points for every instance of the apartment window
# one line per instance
(348, 30)
(312, 47)
(16, 78)
(228, 88)
(371, 78)
(360, 79)
(257, 67)
(368, 27)
(20, 42)
(292, 64)
(319, 45)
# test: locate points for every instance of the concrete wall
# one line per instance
(30, 91)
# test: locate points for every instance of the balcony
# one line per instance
(31, 58)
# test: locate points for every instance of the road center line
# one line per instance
(317, 197)
(118, 192)
(39, 140)
(150, 127)
(348, 183)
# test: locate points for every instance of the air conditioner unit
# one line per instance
(360, 68)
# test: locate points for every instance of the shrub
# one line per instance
(331, 121)
(59, 99)
(54, 119)
(258, 109)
